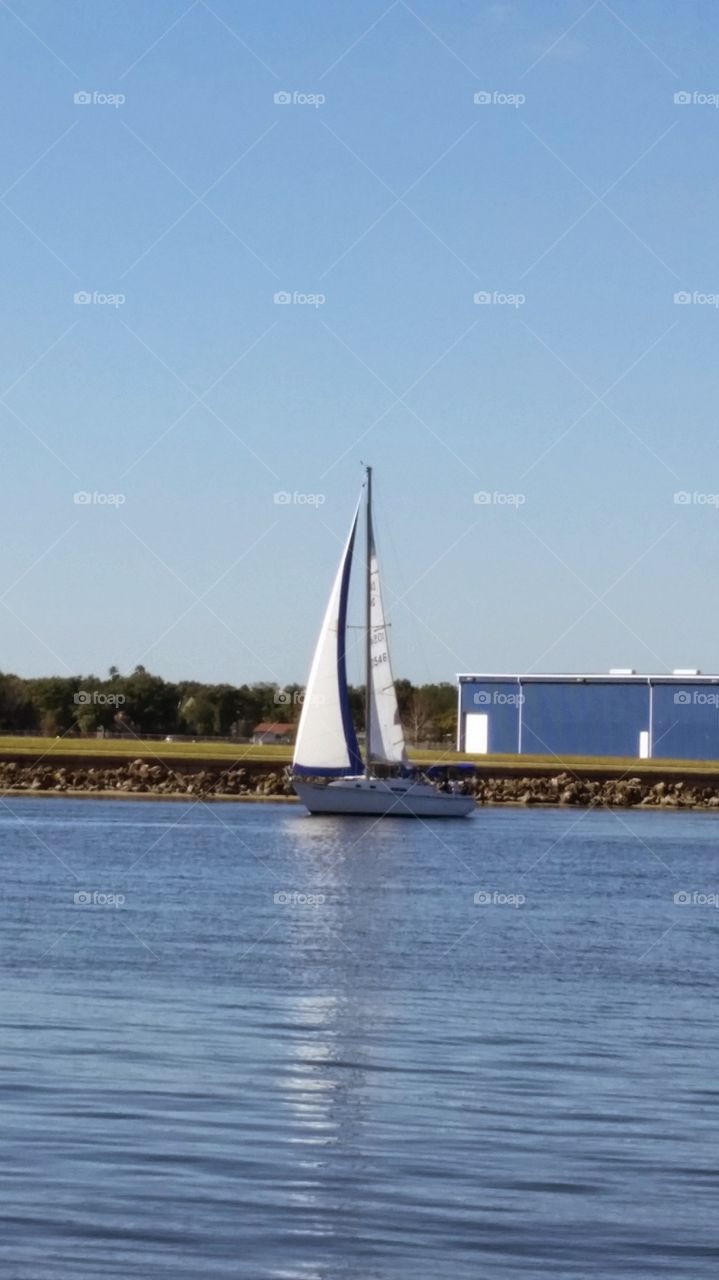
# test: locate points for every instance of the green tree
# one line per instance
(199, 713)
(16, 707)
(56, 700)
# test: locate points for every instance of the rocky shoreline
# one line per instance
(620, 793)
(141, 778)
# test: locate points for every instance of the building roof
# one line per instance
(583, 677)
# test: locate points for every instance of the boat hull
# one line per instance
(375, 797)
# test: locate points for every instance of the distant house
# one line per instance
(269, 731)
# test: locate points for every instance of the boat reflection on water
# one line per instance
(331, 1036)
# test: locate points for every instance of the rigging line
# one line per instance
(416, 641)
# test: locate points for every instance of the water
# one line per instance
(385, 1081)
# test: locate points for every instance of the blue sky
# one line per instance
(581, 190)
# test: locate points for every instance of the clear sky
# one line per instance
(581, 197)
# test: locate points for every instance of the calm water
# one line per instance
(370, 1076)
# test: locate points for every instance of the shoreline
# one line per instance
(188, 797)
(490, 785)
(192, 798)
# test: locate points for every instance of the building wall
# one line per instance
(686, 721)
(585, 715)
(499, 701)
(584, 719)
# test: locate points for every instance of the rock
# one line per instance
(143, 776)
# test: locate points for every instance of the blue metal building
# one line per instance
(620, 714)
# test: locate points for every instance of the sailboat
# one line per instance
(328, 772)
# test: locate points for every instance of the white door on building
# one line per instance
(476, 733)
(644, 744)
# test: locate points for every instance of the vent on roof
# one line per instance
(686, 671)
(622, 671)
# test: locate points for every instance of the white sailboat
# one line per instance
(328, 772)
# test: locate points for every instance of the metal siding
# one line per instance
(686, 721)
(498, 700)
(584, 719)
(586, 716)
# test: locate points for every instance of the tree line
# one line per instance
(144, 703)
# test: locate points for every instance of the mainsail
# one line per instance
(386, 736)
(326, 740)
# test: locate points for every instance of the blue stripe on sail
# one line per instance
(353, 751)
(354, 758)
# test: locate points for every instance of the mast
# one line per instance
(368, 650)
